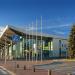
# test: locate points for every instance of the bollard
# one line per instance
(49, 72)
(17, 65)
(24, 67)
(33, 69)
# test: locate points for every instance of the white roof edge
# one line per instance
(23, 30)
(4, 30)
(43, 34)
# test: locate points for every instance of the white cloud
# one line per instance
(50, 27)
(59, 32)
(1, 29)
(58, 26)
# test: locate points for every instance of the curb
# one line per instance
(65, 60)
(7, 70)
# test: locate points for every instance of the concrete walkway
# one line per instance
(26, 67)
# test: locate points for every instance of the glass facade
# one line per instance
(18, 50)
(28, 48)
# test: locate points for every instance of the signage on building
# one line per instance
(15, 38)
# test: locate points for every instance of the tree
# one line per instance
(71, 44)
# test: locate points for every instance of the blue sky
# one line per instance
(57, 15)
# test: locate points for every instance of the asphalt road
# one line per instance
(59, 67)
(3, 72)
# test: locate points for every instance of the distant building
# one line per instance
(17, 43)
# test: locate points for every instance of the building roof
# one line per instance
(24, 31)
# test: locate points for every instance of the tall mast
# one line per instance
(5, 50)
(32, 41)
(41, 38)
(26, 43)
(36, 40)
(29, 42)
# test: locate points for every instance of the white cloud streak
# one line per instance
(58, 26)
(1, 29)
(50, 27)
(59, 32)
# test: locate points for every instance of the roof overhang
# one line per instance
(11, 30)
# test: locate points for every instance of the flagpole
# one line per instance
(5, 50)
(36, 39)
(29, 42)
(26, 43)
(41, 38)
(32, 41)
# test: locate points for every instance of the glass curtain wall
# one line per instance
(18, 50)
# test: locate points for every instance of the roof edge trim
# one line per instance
(4, 31)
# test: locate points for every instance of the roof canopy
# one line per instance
(8, 31)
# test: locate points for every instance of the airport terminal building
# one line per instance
(17, 43)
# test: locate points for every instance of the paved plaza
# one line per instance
(57, 67)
